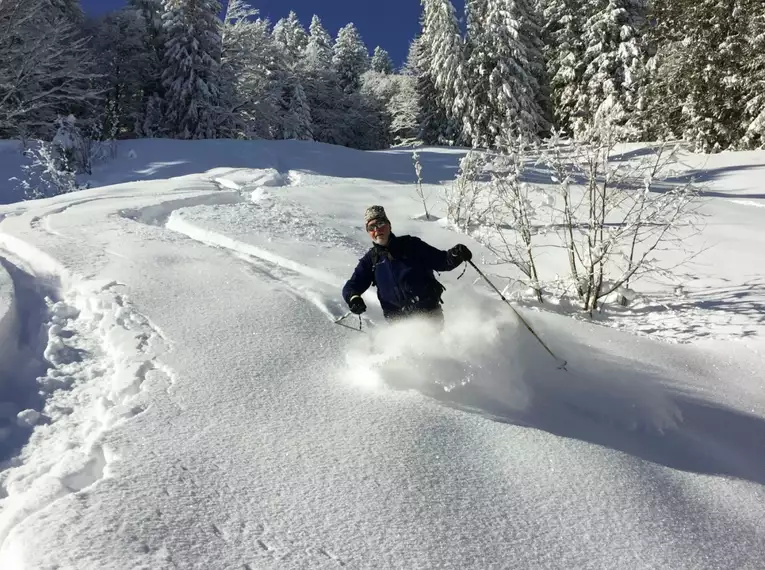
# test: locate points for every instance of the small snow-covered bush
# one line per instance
(610, 214)
(47, 173)
(53, 167)
(467, 204)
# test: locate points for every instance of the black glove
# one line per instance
(461, 253)
(357, 305)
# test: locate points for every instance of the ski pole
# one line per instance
(517, 314)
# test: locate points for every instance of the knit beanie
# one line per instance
(375, 213)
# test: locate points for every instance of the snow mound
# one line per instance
(247, 178)
(28, 418)
(279, 163)
(426, 217)
(277, 218)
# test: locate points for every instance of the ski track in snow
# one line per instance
(749, 203)
(274, 267)
(102, 352)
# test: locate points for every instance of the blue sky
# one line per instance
(389, 23)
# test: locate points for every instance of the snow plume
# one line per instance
(418, 354)
(484, 360)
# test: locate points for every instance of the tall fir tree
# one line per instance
(381, 61)
(151, 12)
(350, 58)
(698, 77)
(564, 57)
(532, 36)
(714, 74)
(150, 15)
(291, 35)
(664, 87)
(250, 67)
(323, 92)
(445, 60)
(118, 43)
(504, 94)
(191, 68)
(614, 55)
(319, 46)
(754, 90)
(434, 124)
(297, 123)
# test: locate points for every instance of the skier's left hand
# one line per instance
(461, 253)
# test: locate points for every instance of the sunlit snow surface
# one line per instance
(175, 393)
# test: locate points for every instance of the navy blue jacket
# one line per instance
(403, 273)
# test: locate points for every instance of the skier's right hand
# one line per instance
(357, 305)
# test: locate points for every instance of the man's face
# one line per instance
(379, 231)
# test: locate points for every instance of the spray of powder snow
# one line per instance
(486, 362)
(473, 348)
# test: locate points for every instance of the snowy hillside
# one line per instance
(174, 393)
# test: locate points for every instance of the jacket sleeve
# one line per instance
(360, 280)
(433, 258)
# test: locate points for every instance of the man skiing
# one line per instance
(401, 267)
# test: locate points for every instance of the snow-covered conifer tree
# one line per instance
(324, 94)
(350, 59)
(319, 48)
(432, 120)
(151, 12)
(291, 35)
(532, 36)
(754, 90)
(191, 75)
(118, 44)
(150, 15)
(250, 67)
(297, 118)
(504, 94)
(699, 83)
(446, 64)
(381, 61)
(564, 54)
(614, 55)
(664, 87)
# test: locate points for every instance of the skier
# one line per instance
(401, 267)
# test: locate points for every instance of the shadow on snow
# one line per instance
(622, 403)
(19, 389)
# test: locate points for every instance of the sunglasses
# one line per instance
(376, 225)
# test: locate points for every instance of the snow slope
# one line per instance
(202, 411)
